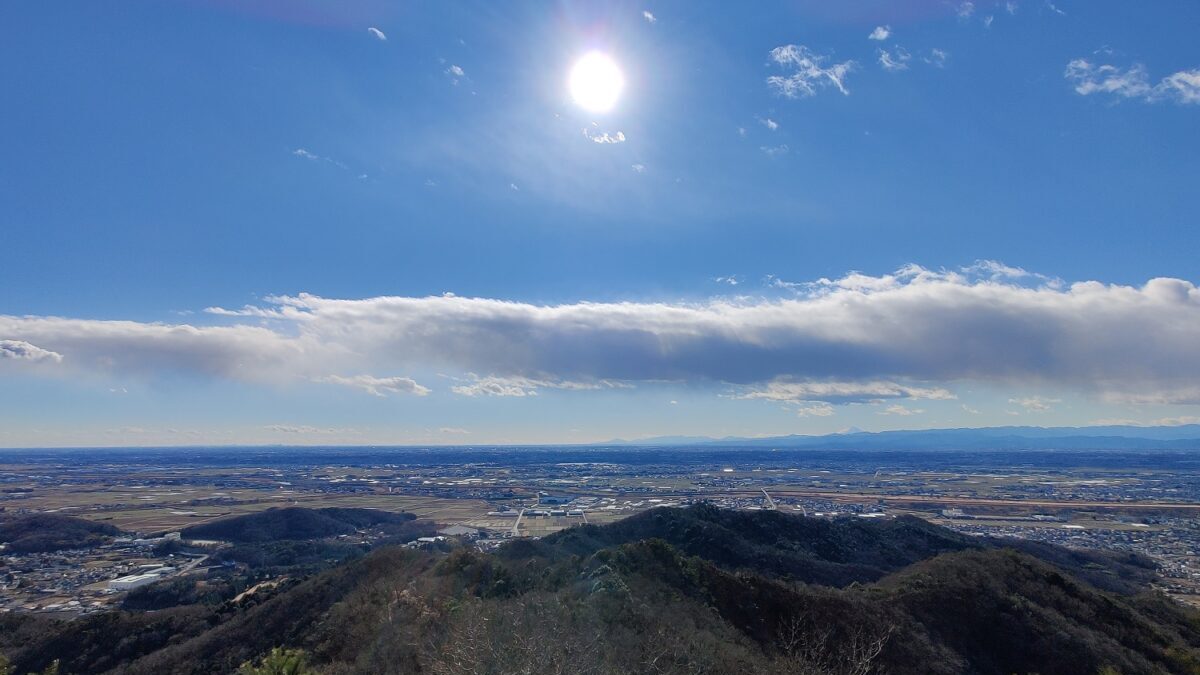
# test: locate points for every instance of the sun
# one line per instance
(596, 82)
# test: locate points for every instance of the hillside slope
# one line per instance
(696, 590)
(293, 522)
(43, 532)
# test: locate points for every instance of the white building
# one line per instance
(132, 581)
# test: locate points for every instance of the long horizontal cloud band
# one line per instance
(1138, 343)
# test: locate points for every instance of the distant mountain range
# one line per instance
(1117, 437)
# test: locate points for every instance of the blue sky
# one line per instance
(378, 222)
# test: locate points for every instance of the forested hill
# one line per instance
(293, 523)
(43, 532)
(697, 590)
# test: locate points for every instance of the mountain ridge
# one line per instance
(673, 590)
(1114, 437)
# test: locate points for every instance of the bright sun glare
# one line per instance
(596, 82)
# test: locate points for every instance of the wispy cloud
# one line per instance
(1035, 403)
(377, 33)
(840, 392)
(774, 150)
(455, 73)
(816, 409)
(649, 17)
(1054, 8)
(964, 10)
(604, 137)
(807, 72)
(1088, 78)
(638, 168)
(894, 60)
(880, 33)
(516, 386)
(1183, 86)
(307, 430)
(769, 123)
(900, 410)
(936, 58)
(314, 157)
(378, 386)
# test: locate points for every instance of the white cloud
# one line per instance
(880, 33)
(378, 386)
(650, 18)
(916, 327)
(894, 60)
(312, 156)
(603, 137)
(936, 57)
(817, 409)
(377, 33)
(841, 392)
(306, 430)
(455, 73)
(1053, 8)
(968, 409)
(513, 187)
(517, 386)
(458, 431)
(1089, 78)
(1010, 7)
(499, 386)
(770, 123)
(1183, 86)
(638, 168)
(19, 350)
(732, 280)
(1035, 403)
(774, 150)
(807, 72)
(965, 10)
(900, 410)
(987, 21)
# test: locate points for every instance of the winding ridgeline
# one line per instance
(695, 590)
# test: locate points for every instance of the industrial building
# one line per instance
(132, 581)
